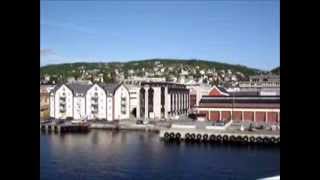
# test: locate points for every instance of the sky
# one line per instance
(243, 32)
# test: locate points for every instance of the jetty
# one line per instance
(64, 128)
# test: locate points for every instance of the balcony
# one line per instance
(62, 105)
(94, 111)
(62, 100)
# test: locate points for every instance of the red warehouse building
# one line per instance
(239, 106)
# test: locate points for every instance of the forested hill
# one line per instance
(71, 69)
(276, 70)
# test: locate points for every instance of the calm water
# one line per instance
(139, 155)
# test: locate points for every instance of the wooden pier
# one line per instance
(204, 135)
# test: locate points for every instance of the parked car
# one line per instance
(192, 116)
(260, 127)
(69, 118)
(218, 123)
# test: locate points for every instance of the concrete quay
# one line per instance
(127, 125)
(221, 136)
(68, 126)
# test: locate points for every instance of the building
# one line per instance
(265, 85)
(90, 101)
(134, 99)
(135, 80)
(261, 81)
(196, 91)
(44, 100)
(239, 107)
(162, 100)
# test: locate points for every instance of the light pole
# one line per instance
(232, 101)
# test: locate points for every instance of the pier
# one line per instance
(130, 126)
(216, 136)
(64, 128)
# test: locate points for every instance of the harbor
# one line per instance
(179, 131)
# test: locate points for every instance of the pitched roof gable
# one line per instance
(110, 87)
(77, 88)
(218, 91)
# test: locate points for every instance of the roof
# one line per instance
(222, 89)
(81, 88)
(110, 87)
(152, 83)
(78, 87)
(56, 88)
(244, 93)
(240, 100)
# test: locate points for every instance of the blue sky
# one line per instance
(237, 32)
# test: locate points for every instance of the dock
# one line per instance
(220, 136)
(64, 128)
(125, 126)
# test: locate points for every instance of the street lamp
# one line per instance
(232, 100)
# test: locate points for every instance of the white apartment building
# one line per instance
(84, 101)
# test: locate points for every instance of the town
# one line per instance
(215, 100)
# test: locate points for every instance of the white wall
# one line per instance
(167, 102)
(110, 108)
(69, 102)
(51, 107)
(121, 92)
(134, 98)
(79, 109)
(157, 102)
(102, 103)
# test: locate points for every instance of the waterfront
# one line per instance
(102, 154)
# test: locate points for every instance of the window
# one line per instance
(123, 105)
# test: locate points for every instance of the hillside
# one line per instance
(172, 69)
(276, 70)
(66, 69)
